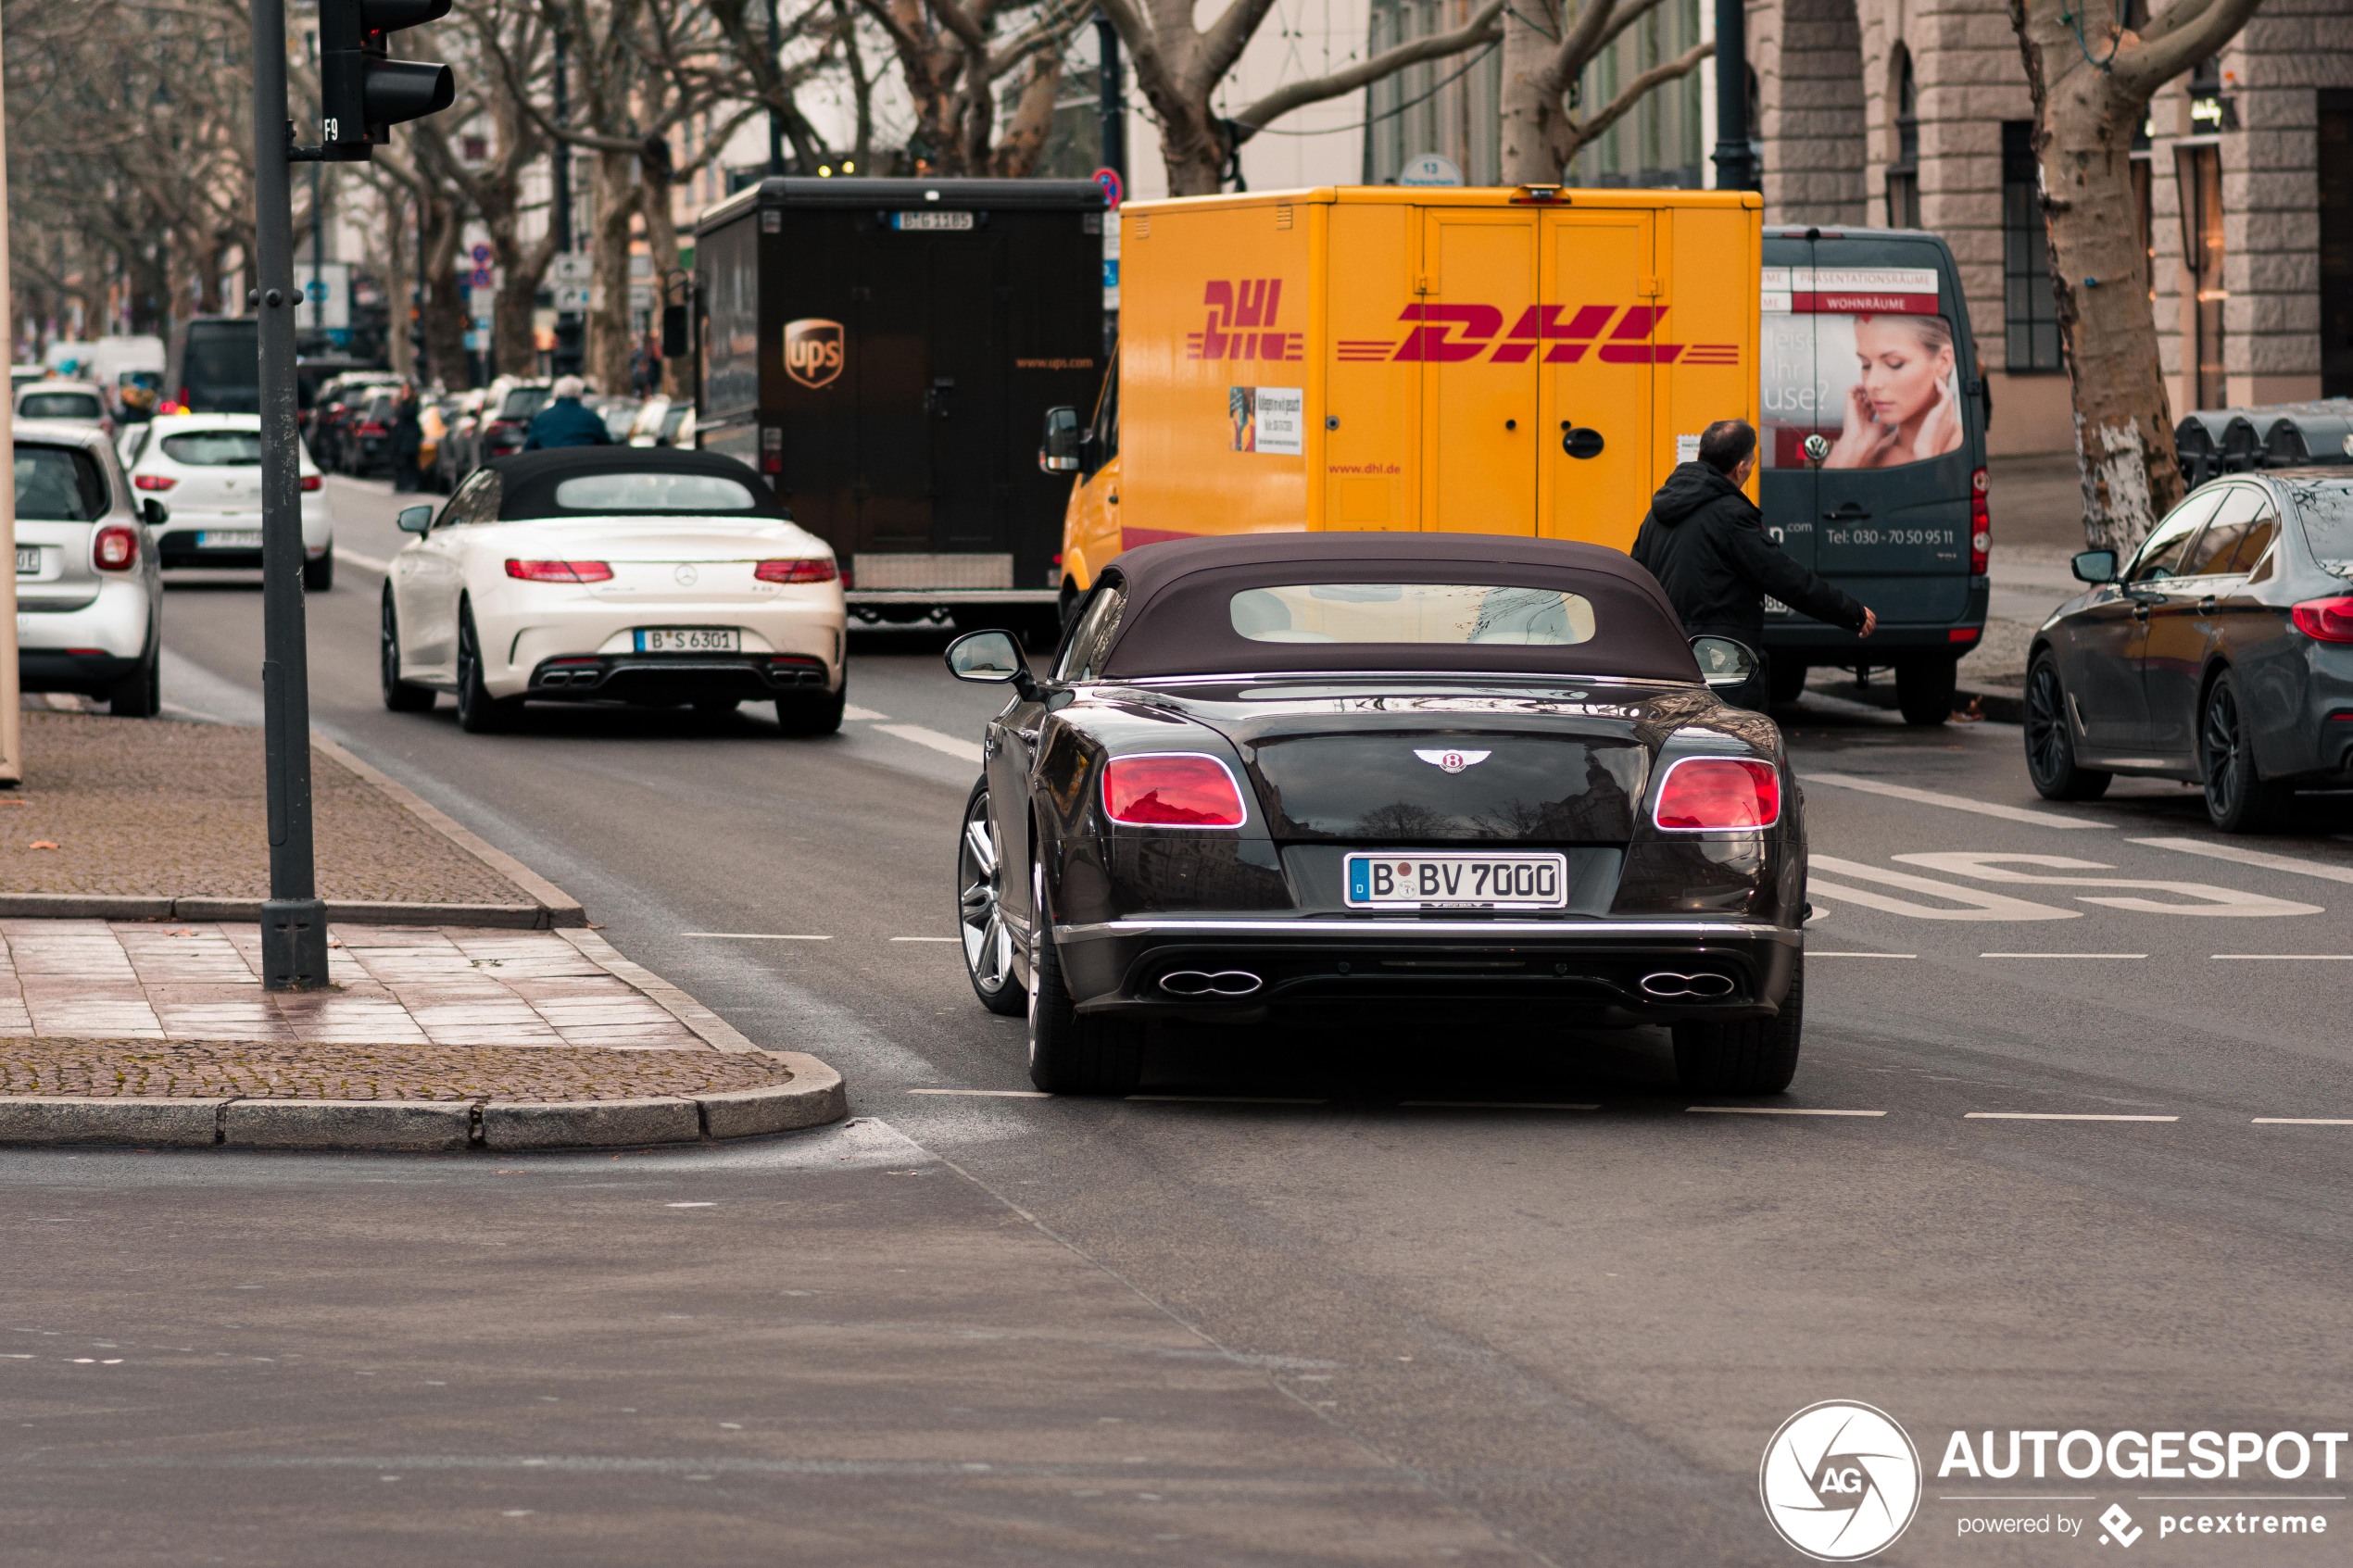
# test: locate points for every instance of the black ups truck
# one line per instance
(884, 351)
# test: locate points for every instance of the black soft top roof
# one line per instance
(528, 479)
(1176, 622)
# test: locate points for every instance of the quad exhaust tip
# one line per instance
(1670, 986)
(1201, 983)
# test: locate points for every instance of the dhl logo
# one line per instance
(1242, 322)
(1450, 333)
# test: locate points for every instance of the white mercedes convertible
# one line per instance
(613, 574)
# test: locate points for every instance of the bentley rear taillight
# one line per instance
(2326, 620)
(1704, 793)
(795, 572)
(560, 570)
(1172, 789)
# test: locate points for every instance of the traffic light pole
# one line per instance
(294, 920)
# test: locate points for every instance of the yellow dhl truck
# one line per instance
(1528, 360)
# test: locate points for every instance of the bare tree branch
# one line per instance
(1483, 27)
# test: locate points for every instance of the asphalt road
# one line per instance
(2069, 1149)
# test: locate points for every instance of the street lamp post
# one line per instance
(1735, 162)
(775, 120)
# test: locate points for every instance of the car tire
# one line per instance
(2050, 742)
(138, 695)
(2238, 799)
(318, 576)
(479, 714)
(1924, 690)
(987, 943)
(807, 713)
(1785, 678)
(401, 697)
(1070, 1052)
(1755, 1056)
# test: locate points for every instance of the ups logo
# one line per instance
(813, 351)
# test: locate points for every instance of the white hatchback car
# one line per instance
(64, 402)
(622, 574)
(89, 598)
(207, 468)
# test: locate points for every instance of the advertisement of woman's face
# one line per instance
(1882, 388)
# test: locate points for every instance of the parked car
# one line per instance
(2222, 652)
(462, 429)
(1341, 774)
(619, 415)
(369, 450)
(613, 574)
(508, 408)
(207, 468)
(89, 595)
(646, 429)
(65, 402)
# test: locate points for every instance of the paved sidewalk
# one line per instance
(392, 986)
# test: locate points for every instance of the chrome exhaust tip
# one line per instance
(1200, 983)
(1668, 985)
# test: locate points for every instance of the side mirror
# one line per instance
(154, 513)
(415, 519)
(1059, 452)
(1724, 663)
(991, 657)
(2096, 566)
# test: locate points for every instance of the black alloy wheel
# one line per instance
(1753, 1056)
(401, 697)
(318, 576)
(2238, 799)
(2050, 740)
(1785, 678)
(980, 916)
(1071, 1053)
(479, 714)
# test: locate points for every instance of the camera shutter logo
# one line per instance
(813, 351)
(1841, 1481)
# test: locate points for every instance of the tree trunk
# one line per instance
(1532, 121)
(445, 311)
(608, 337)
(1193, 146)
(654, 201)
(521, 269)
(1033, 121)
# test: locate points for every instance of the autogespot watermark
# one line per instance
(1842, 1481)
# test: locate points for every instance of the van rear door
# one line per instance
(1596, 337)
(1479, 272)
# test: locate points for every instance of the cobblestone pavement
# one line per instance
(391, 986)
(308, 1071)
(162, 806)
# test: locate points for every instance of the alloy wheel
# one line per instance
(2046, 722)
(988, 943)
(2225, 761)
(388, 647)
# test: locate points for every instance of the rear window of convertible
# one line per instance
(1449, 614)
(654, 492)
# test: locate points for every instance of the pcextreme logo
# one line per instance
(1840, 1481)
(813, 351)
(1617, 334)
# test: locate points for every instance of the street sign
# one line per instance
(1430, 168)
(481, 278)
(571, 296)
(571, 267)
(315, 290)
(1115, 189)
(482, 256)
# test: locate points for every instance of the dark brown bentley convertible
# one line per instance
(1286, 774)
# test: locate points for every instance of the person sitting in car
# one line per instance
(563, 422)
(1705, 542)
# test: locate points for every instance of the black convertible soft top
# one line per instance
(1176, 621)
(528, 479)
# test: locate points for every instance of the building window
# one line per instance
(2030, 310)
(1904, 173)
(2336, 242)
(2197, 173)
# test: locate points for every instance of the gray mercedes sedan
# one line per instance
(2222, 652)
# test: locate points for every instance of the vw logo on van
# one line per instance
(813, 351)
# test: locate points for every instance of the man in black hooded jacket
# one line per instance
(1705, 541)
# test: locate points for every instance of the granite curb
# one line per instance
(812, 1098)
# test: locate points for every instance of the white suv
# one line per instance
(89, 595)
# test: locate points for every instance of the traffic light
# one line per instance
(363, 93)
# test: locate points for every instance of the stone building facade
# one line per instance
(1916, 113)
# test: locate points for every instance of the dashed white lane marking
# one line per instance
(365, 563)
(2062, 955)
(690, 1205)
(988, 1094)
(851, 710)
(927, 939)
(2294, 865)
(1231, 1099)
(1773, 1110)
(1493, 1105)
(754, 936)
(967, 750)
(1952, 802)
(2288, 957)
(1977, 904)
(1817, 954)
(2056, 1116)
(2304, 1121)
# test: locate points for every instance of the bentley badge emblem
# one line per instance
(1453, 761)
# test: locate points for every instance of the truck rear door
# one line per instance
(1479, 273)
(1594, 337)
